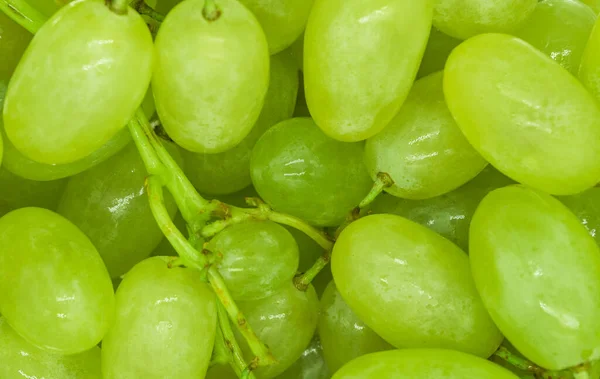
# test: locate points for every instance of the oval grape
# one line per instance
(589, 70)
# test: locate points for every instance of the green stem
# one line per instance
(118, 6)
(528, 366)
(237, 358)
(211, 11)
(303, 281)
(23, 14)
(144, 9)
(259, 349)
(220, 355)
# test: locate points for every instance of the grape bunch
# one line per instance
(299, 189)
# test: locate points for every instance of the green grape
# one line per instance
(229, 172)
(13, 41)
(465, 18)
(55, 290)
(286, 322)
(109, 204)
(422, 363)
(165, 6)
(586, 206)
(220, 371)
(560, 28)
(298, 170)
(538, 270)
(540, 132)
(360, 60)
(343, 335)
(589, 71)
(297, 52)
(422, 148)
(57, 109)
(594, 4)
(210, 77)
(449, 214)
(47, 7)
(411, 286)
(439, 47)
(282, 21)
(165, 324)
(16, 192)
(310, 365)
(20, 359)
(258, 257)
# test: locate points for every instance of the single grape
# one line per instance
(255, 258)
(298, 170)
(343, 335)
(594, 4)
(411, 286)
(524, 113)
(465, 18)
(449, 214)
(422, 148)
(586, 206)
(589, 71)
(55, 290)
(282, 21)
(210, 77)
(284, 321)
(165, 324)
(57, 109)
(13, 41)
(360, 60)
(229, 172)
(422, 363)
(560, 29)
(310, 365)
(538, 272)
(110, 205)
(439, 47)
(20, 359)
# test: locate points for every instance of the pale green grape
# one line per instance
(422, 363)
(411, 286)
(282, 21)
(538, 272)
(560, 28)
(298, 170)
(110, 205)
(13, 41)
(360, 60)
(55, 290)
(343, 335)
(422, 148)
(20, 359)
(524, 113)
(439, 47)
(16, 192)
(258, 257)
(589, 71)
(210, 77)
(586, 206)
(465, 18)
(310, 365)
(165, 324)
(286, 322)
(72, 92)
(449, 214)
(229, 172)
(594, 4)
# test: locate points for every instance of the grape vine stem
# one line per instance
(237, 359)
(578, 372)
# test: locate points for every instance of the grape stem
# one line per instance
(118, 6)
(228, 339)
(211, 11)
(23, 14)
(578, 372)
(146, 10)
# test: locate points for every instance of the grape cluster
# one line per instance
(300, 189)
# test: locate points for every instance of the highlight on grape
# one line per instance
(299, 189)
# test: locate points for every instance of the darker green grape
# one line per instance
(310, 365)
(586, 206)
(439, 47)
(13, 41)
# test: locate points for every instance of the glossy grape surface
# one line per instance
(110, 205)
(16, 192)
(538, 272)
(55, 290)
(439, 47)
(20, 359)
(210, 77)
(540, 132)
(229, 172)
(56, 106)
(465, 18)
(360, 60)
(310, 365)
(386, 265)
(282, 21)
(299, 170)
(343, 335)
(560, 28)
(258, 258)
(286, 322)
(422, 363)
(589, 71)
(422, 148)
(165, 324)
(586, 206)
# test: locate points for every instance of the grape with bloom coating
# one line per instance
(56, 106)
(210, 76)
(360, 59)
(540, 132)
(55, 290)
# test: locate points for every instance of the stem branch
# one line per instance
(211, 11)
(237, 358)
(144, 9)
